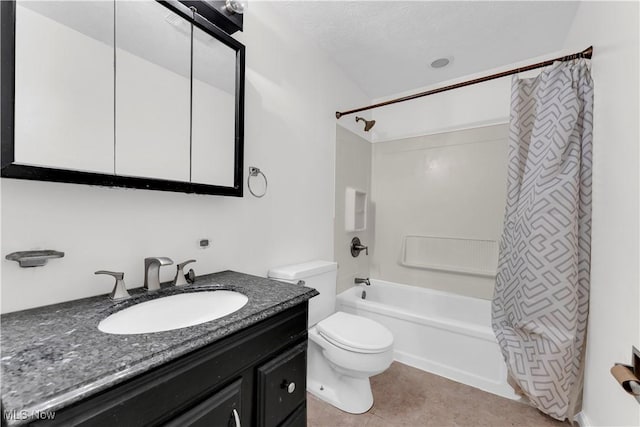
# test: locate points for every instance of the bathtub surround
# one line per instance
(353, 170)
(443, 188)
(541, 300)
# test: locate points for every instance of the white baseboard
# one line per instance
(583, 420)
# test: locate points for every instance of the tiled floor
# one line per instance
(405, 396)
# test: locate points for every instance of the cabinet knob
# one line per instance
(289, 386)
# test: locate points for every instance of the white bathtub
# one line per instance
(446, 334)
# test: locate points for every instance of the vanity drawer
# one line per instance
(281, 386)
(220, 409)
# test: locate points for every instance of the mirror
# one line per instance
(64, 85)
(153, 91)
(142, 94)
(214, 93)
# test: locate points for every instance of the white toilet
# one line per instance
(344, 349)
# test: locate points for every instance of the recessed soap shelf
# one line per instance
(355, 215)
(34, 258)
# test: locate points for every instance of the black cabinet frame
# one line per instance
(7, 104)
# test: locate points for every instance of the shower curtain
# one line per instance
(541, 300)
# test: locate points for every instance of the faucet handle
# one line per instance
(119, 289)
(180, 280)
(357, 247)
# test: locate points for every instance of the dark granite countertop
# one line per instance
(55, 355)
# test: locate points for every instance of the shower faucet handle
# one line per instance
(357, 247)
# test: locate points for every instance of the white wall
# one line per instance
(292, 91)
(614, 314)
(353, 169)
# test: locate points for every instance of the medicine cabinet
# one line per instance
(142, 94)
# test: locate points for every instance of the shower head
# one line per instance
(368, 124)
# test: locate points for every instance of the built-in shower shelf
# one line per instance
(451, 254)
(355, 216)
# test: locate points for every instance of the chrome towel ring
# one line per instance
(254, 171)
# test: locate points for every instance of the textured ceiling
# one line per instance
(386, 46)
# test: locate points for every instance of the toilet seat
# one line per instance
(355, 333)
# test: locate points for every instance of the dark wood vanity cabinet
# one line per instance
(254, 377)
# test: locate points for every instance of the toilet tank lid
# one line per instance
(303, 270)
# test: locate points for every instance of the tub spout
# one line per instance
(358, 280)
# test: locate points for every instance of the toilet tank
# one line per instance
(320, 275)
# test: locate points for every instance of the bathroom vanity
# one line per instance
(248, 368)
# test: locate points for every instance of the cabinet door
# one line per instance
(153, 85)
(222, 409)
(214, 111)
(64, 85)
(298, 418)
(281, 386)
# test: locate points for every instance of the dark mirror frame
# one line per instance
(7, 98)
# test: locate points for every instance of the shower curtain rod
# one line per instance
(587, 53)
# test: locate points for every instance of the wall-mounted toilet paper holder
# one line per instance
(627, 375)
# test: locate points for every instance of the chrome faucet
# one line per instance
(358, 280)
(152, 271)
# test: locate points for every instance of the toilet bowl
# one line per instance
(344, 350)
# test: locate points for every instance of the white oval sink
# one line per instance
(173, 312)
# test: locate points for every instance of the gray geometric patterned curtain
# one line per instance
(541, 300)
